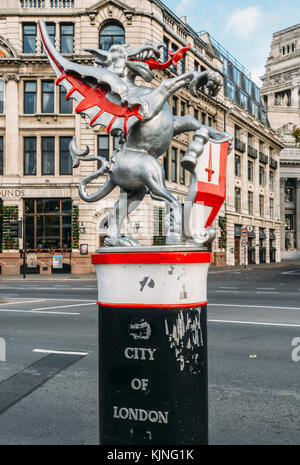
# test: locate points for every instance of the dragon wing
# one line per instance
(100, 102)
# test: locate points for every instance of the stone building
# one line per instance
(37, 181)
(281, 96)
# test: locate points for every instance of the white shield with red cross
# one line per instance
(207, 191)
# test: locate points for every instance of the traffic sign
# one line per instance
(244, 242)
(244, 232)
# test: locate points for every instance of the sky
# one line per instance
(244, 28)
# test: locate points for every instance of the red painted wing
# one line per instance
(98, 103)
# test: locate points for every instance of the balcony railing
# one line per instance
(239, 145)
(252, 152)
(263, 158)
(47, 3)
(273, 163)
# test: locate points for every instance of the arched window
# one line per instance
(111, 34)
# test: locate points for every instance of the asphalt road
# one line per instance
(48, 383)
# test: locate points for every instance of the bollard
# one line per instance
(153, 385)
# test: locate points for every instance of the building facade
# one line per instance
(281, 97)
(37, 181)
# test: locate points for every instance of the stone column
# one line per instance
(11, 134)
(282, 213)
(298, 213)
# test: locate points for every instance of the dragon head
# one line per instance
(125, 61)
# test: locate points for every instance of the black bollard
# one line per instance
(153, 385)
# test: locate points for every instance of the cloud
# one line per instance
(244, 22)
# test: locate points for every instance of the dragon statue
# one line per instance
(141, 117)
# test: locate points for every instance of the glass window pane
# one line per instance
(1, 95)
(66, 231)
(174, 165)
(29, 38)
(29, 206)
(48, 155)
(48, 206)
(29, 155)
(111, 34)
(103, 146)
(48, 231)
(65, 157)
(30, 97)
(48, 97)
(65, 106)
(66, 205)
(29, 232)
(66, 38)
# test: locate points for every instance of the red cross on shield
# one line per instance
(207, 190)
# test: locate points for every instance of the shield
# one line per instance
(207, 191)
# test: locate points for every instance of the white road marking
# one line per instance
(266, 292)
(37, 312)
(227, 287)
(231, 290)
(24, 302)
(44, 351)
(266, 288)
(65, 306)
(291, 271)
(254, 306)
(254, 323)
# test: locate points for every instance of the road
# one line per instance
(48, 383)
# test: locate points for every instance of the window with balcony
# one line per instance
(48, 155)
(66, 37)
(30, 97)
(47, 96)
(111, 34)
(65, 160)
(29, 38)
(29, 155)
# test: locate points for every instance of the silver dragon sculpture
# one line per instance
(141, 116)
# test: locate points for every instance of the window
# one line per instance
(1, 95)
(166, 165)
(196, 65)
(166, 49)
(103, 147)
(48, 97)
(47, 155)
(244, 100)
(261, 205)
(203, 117)
(271, 208)
(209, 121)
(29, 38)
(196, 114)
(65, 160)
(256, 93)
(181, 170)
(30, 97)
(250, 171)
(248, 86)
(66, 37)
(230, 90)
(174, 165)
(48, 223)
(174, 47)
(236, 76)
(261, 175)
(29, 155)
(51, 33)
(271, 179)
(65, 106)
(254, 109)
(237, 199)
(1, 155)
(237, 165)
(174, 105)
(111, 34)
(225, 65)
(250, 203)
(182, 108)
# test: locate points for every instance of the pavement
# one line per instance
(92, 276)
